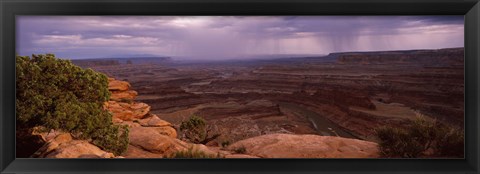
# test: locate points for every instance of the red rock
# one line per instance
(240, 156)
(306, 146)
(63, 146)
(153, 121)
(151, 140)
(117, 85)
(123, 95)
(127, 111)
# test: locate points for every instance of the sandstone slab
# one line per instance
(137, 152)
(306, 146)
(78, 149)
(153, 141)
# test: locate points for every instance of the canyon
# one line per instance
(303, 107)
(342, 94)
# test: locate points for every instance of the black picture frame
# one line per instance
(11, 8)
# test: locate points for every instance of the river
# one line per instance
(322, 125)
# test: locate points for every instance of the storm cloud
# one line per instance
(222, 37)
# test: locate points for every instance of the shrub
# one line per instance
(398, 143)
(452, 142)
(194, 153)
(421, 138)
(240, 150)
(225, 143)
(56, 94)
(196, 130)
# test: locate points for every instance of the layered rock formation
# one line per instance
(120, 90)
(149, 135)
(449, 56)
(122, 104)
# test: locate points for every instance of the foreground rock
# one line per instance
(64, 146)
(240, 156)
(159, 142)
(149, 142)
(306, 146)
(150, 123)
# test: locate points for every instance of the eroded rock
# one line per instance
(78, 149)
(127, 111)
(123, 95)
(117, 85)
(138, 152)
(152, 140)
(153, 121)
(306, 146)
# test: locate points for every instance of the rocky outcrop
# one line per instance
(121, 90)
(122, 104)
(64, 146)
(154, 141)
(151, 142)
(127, 111)
(123, 95)
(149, 136)
(306, 146)
(117, 85)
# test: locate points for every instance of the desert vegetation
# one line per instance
(55, 94)
(194, 153)
(421, 138)
(196, 130)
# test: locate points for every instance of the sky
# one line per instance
(228, 37)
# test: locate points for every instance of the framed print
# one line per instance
(239, 86)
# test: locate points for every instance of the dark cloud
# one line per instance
(209, 37)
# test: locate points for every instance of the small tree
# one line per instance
(56, 94)
(196, 130)
(421, 138)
